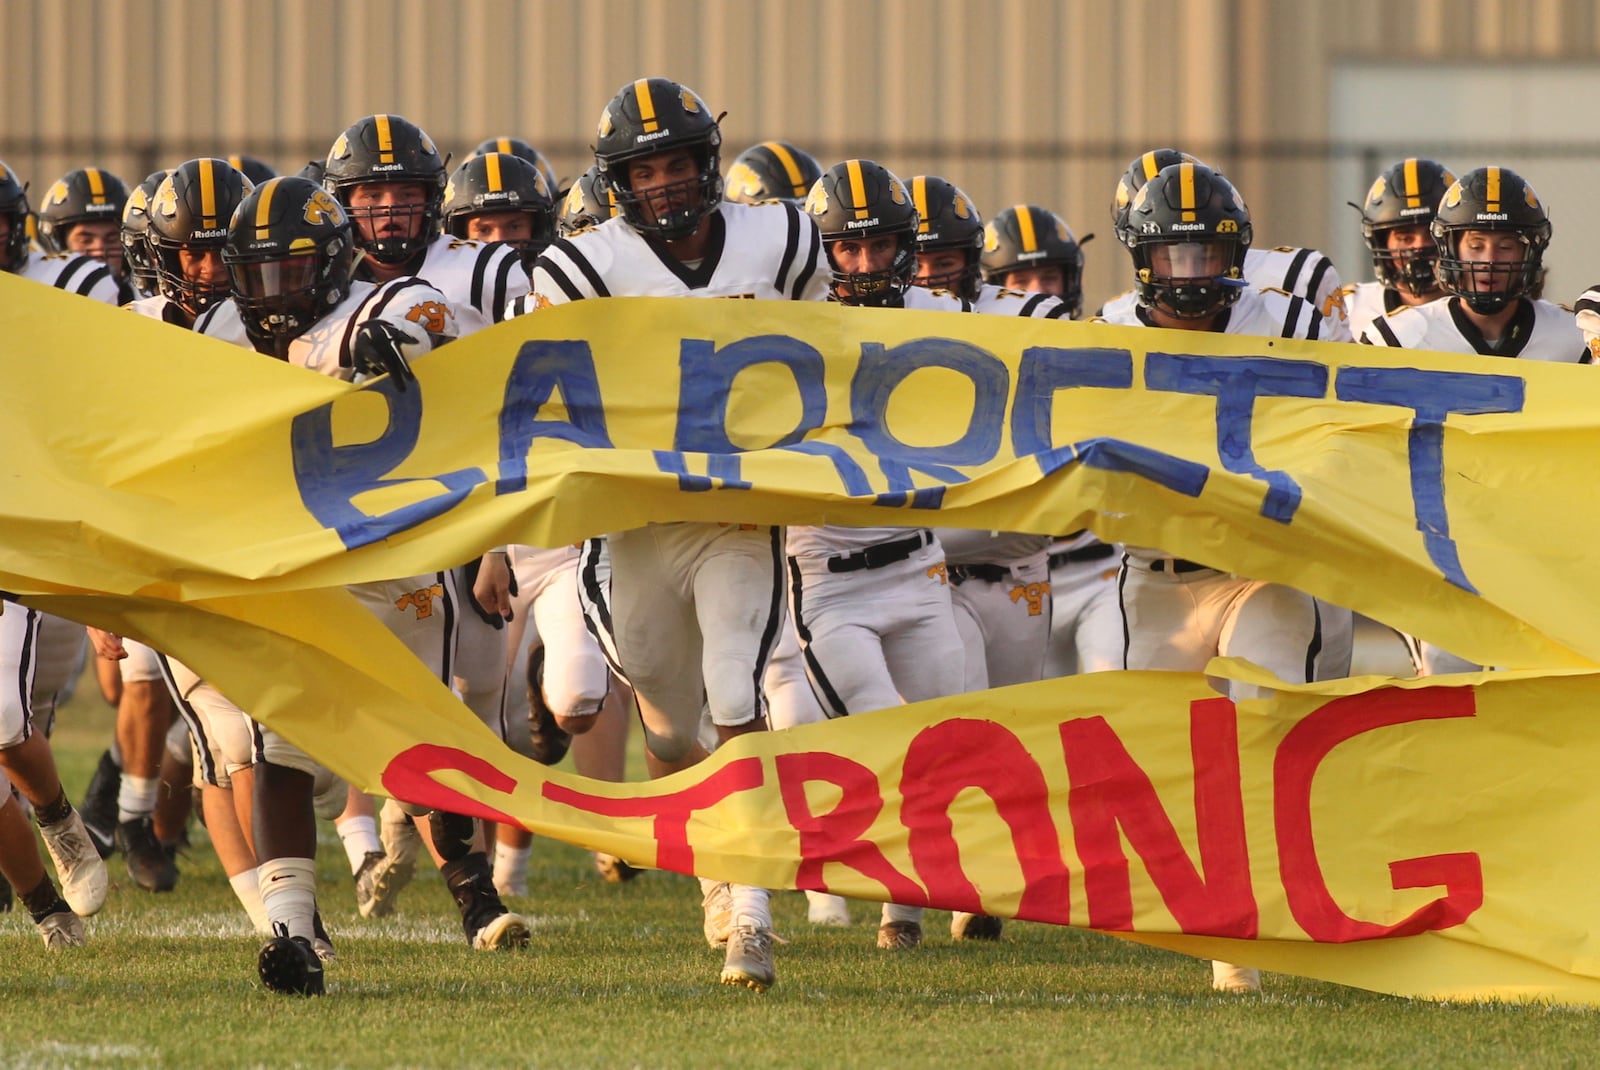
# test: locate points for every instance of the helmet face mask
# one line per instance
(1485, 216)
(1403, 198)
(188, 216)
(290, 258)
(853, 203)
(1188, 231)
(135, 234)
(658, 149)
(387, 150)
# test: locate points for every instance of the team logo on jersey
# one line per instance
(431, 316)
(541, 301)
(321, 208)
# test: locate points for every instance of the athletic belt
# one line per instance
(1177, 565)
(988, 573)
(885, 553)
(1095, 551)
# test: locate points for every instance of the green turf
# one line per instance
(619, 975)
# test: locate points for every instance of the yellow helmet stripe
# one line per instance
(797, 181)
(1413, 190)
(385, 139)
(919, 197)
(491, 166)
(264, 208)
(1492, 192)
(858, 188)
(502, 144)
(1025, 230)
(97, 185)
(647, 105)
(208, 195)
(1186, 191)
(1147, 163)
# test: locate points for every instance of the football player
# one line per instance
(82, 214)
(1188, 232)
(695, 608)
(1294, 270)
(76, 274)
(1396, 224)
(872, 605)
(135, 221)
(498, 197)
(1032, 250)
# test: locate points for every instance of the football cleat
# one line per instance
(287, 964)
(321, 942)
(99, 806)
(1240, 980)
(368, 902)
(62, 929)
(964, 926)
(900, 935)
(80, 867)
(825, 909)
(717, 902)
(149, 864)
(749, 959)
(488, 925)
(402, 846)
(613, 869)
(503, 931)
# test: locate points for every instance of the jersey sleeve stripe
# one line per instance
(1291, 318)
(480, 268)
(93, 279)
(1386, 333)
(790, 247)
(1061, 311)
(804, 278)
(1292, 276)
(502, 284)
(582, 263)
(1314, 287)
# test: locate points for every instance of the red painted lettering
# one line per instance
(1295, 767)
(409, 777)
(1109, 791)
(836, 835)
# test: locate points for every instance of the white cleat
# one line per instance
(504, 931)
(717, 902)
(78, 864)
(749, 959)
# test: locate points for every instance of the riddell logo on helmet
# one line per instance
(220, 232)
(387, 167)
(1492, 216)
(1187, 226)
(857, 224)
(1035, 255)
(651, 137)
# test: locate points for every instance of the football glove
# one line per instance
(379, 349)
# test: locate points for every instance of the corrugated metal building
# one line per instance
(1040, 100)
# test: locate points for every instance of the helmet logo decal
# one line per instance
(341, 148)
(858, 189)
(963, 209)
(647, 106)
(1531, 197)
(743, 181)
(690, 104)
(57, 195)
(897, 192)
(1375, 194)
(1227, 226)
(991, 238)
(1491, 192)
(575, 199)
(385, 139)
(1452, 196)
(817, 199)
(427, 143)
(321, 208)
(605, 122)
(1030, 239)
(166, 203)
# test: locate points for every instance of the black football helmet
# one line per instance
(387, 148)
(862, 199)
(652, 116)
(135, 230)
(1142, 169)
(290, 254)
(14, 208)
(1493, 199)
(588, 203)
(523, 150)
(947, 220)
(1195, 213)
(1407, 194)
(772, 171)
(192, 210)
(253, 168)
(1027, 236)
(500, 182)
(86, 195)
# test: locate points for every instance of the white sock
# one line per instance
(896, 912)
(359, 836)
(289, 893)
(752, 907)
(511, 866)
(137, 797)
(248, 889)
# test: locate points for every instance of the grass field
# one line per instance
(619, 976)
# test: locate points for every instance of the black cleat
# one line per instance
(5, 896)
(99, 806)
(148, 862)
(550, 741)
(488, 925)
(288, 965)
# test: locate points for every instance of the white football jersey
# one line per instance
(1302, 273)
(1262, 313)
(478, 279)
(766, 251)
(1539, 331)
(79, 275)
(1367, 301)
(998, 301)
(419, 310)
(1587, 315)
(158, 307)
(965, 547)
